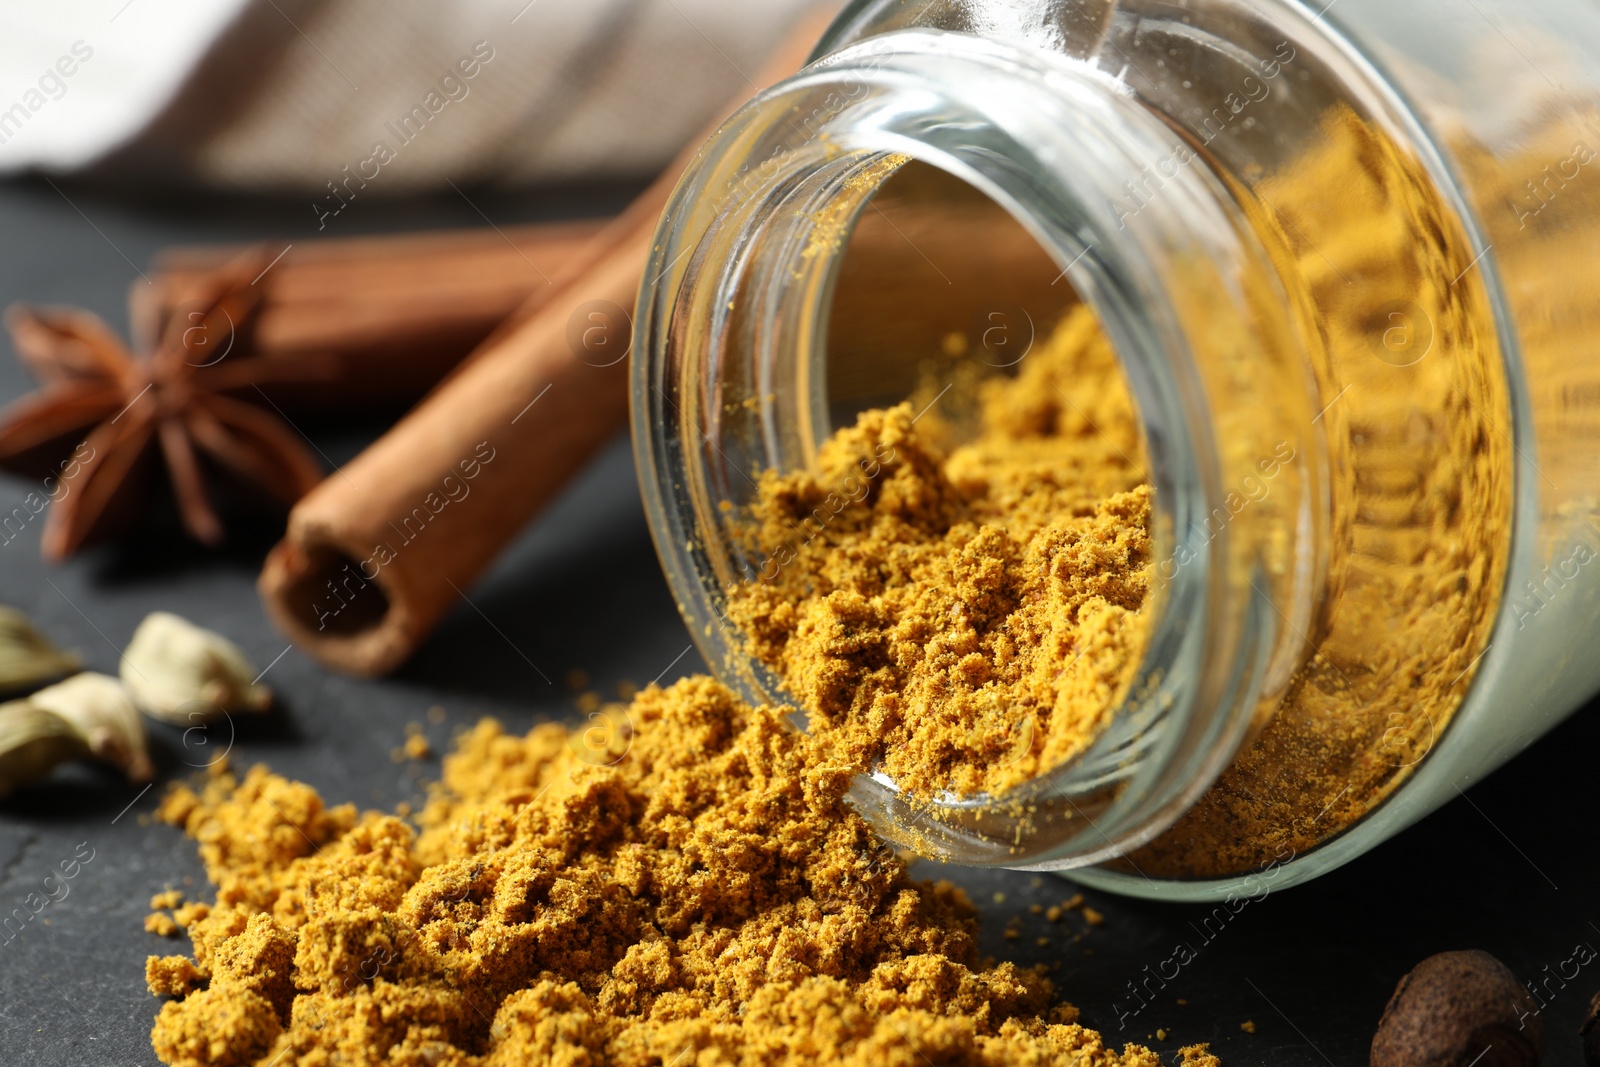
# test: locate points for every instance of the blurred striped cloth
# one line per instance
(294, 94)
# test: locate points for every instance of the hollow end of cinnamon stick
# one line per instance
(377, 555)
(373, 559)
(373, 632)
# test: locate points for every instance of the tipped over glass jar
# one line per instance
(1339, 255)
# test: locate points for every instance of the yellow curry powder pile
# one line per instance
(963, 618)
(694, 890)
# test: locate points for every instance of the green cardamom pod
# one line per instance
(178, 672)
(27, 658)
(33, 742)
(98, 709)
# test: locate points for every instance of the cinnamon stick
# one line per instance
(375, 556)
(373, 322)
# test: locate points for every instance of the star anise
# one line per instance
(103, 419)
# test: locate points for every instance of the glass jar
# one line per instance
(1348, 242)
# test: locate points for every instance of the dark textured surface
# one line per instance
(1509, 872)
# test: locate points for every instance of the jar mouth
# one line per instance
(734, 309)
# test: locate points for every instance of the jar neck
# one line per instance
(732, 337)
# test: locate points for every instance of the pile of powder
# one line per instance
(691, 888)
(963, 618)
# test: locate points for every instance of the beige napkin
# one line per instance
(397, 95)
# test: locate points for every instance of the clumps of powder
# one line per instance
(963, 618)
(160, 924)
(698, 892)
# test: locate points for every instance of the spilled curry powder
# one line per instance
(963, 617)
(690, 889)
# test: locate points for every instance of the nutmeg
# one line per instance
(1590, 1032)
(1456, 1009)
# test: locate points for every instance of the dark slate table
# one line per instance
(1310, 967)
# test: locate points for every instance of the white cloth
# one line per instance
(295, 94)
(127, 60)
